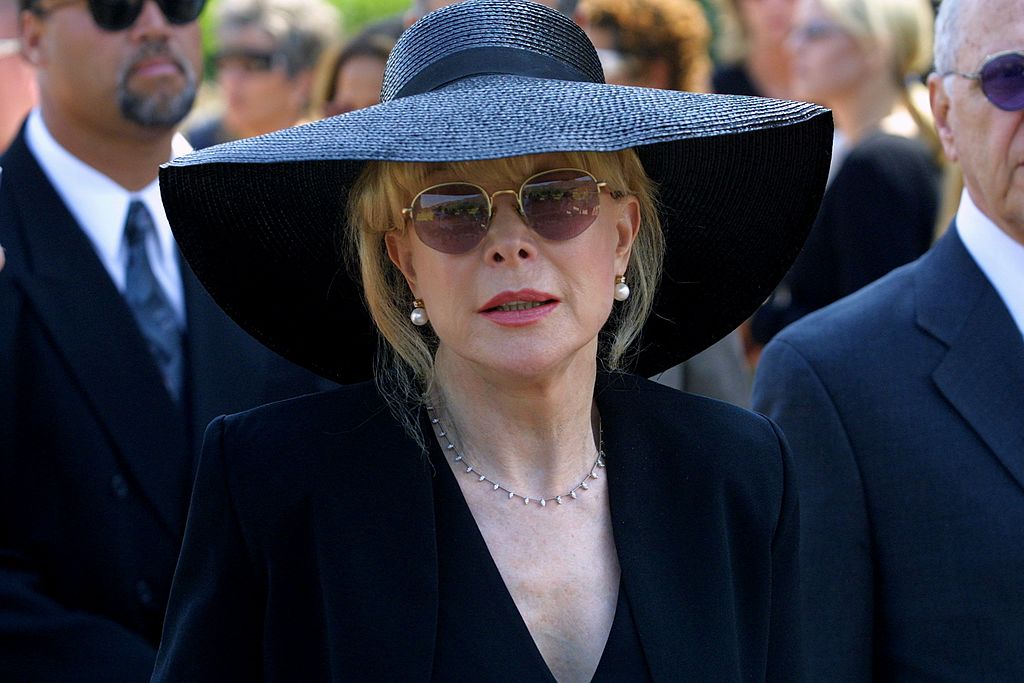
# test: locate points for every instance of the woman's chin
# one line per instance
(527, 363)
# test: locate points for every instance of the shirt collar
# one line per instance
(999, 256)
(98, 203)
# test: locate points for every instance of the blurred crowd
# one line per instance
(892, 191)
(278, 63)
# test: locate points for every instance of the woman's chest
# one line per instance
(564, 584)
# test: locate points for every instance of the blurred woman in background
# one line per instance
(650, 43)
(754, 46)
(349, 77)
(862, 59)
(266, 53)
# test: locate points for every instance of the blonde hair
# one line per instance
(731, 38)
(405, 368)
(905, 28)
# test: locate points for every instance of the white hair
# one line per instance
(301, 29)
(948, 37)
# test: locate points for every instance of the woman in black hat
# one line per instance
(504, 501)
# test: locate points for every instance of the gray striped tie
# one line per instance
(148, 301)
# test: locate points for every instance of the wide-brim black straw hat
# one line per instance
(260, 220)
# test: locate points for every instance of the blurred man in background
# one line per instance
(17, 82)
(114, 359)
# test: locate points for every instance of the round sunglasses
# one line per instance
(117, 15)
(1002, 79)
(558, 205)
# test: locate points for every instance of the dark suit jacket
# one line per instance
(878, 213)
(904, 406)
(310, 552)
(96, 461)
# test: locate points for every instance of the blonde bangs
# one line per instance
(384, 188)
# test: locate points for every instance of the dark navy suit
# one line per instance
(96, 461)
(904, 406)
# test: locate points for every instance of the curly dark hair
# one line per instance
(676, 31)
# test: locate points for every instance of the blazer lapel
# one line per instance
(374, 525)
(92, 328)
(225, 365)
(661, 532)
(982, 374)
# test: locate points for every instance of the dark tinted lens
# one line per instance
(559, 205)
(451, 218)
(1002, 81)
(250, 61)
(181, 11)
(115, 15)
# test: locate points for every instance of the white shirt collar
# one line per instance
(100, 205)
(999, 256)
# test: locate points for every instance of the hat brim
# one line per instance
(260, 220)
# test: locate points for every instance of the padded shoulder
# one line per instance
(701, 436)
(879, 312)
(277, 450)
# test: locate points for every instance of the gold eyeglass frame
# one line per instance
(518, 194)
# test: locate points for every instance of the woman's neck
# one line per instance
(536, 435)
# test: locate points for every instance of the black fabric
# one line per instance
(96, 460)
(456, 42)
(878, 213)
(208, 133)
(488, 60)
(733, 79)
(904, 404)
(262, 220)
(479, 628)
(310, 557)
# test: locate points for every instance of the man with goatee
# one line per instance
(112, 357)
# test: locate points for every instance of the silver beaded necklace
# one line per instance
(460, 459)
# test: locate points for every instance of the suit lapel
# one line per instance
(982, 373)
(668, 566)
(91, 327)
(225, 366)
(374, 524)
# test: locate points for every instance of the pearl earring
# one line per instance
(419, 314)
(621, 288)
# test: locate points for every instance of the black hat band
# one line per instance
(485, 61)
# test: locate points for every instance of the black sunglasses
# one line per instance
(1002, 79)
(117, 15)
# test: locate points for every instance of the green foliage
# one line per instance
(358, 13)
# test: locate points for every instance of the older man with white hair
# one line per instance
(904, 406)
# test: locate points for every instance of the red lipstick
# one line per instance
(519, 308)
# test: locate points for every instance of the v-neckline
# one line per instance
(476, 571)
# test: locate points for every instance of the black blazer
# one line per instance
(96, 461)
(310, 550)
(904, 405)
(878, 214)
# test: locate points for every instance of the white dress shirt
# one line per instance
(100, 206)
(1000, 257)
